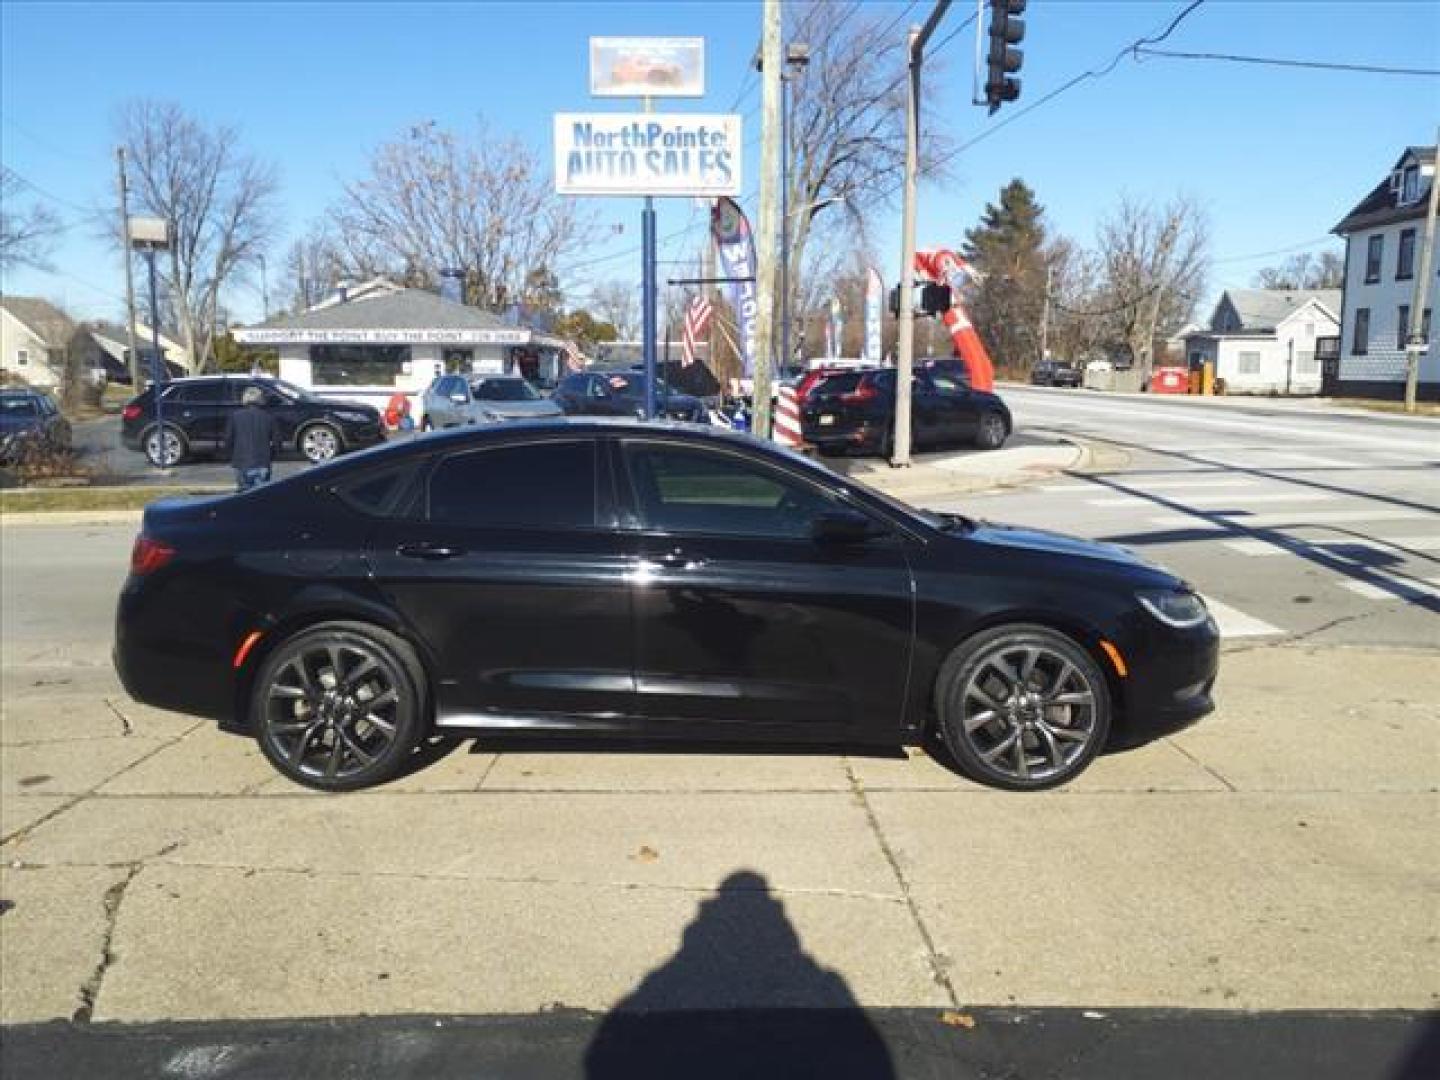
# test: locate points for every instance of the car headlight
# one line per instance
(1179, 609)
(353, 417)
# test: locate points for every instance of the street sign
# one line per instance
(647, 154)
(647, 67)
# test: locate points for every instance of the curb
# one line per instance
(932, 483)
(21, 518)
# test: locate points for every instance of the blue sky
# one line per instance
(1276, 155)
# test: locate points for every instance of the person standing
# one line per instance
(250, 440)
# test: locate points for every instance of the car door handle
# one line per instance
(429, 552)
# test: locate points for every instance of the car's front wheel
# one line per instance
(339, 706)
(164, 447)
(990, 435)
(319, 443)
(1022, 707)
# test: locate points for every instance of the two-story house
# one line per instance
(1383, 235)
(1262, 341)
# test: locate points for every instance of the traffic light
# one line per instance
(928, 297)
(1005, 30)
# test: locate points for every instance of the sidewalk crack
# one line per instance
(90, 992)
(126, 727)
(1203, 765)
(932, 954)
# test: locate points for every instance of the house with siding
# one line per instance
(1262, 341)
(1383, 234)
(34, 336)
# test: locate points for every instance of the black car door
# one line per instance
(201, 409)
(286, 412)
(741, 618)
(513, 575)
(954, 407)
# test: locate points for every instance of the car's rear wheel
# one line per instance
(319, 443)
(990, 434)
(165, 446)
(1022, 707)
(339, 706)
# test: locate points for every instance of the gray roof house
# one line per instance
(34, 335)
(1262, 341)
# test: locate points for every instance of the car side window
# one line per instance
(597, 389)
(211, 392)
(946, 384)
(686, 490)
(540, 485)
(377, 492)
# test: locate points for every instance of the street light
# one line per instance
(150, 235)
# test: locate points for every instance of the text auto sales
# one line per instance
(648, 150)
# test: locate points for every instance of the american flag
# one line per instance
(697, 325)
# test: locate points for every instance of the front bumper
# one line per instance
(1171, 680)
(360, 435)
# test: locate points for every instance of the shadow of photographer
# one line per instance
(739, 999)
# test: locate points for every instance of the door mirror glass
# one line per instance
(842, 527)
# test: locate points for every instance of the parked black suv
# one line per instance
(622, 393)
(855, 410)
(195, 413)
(1056, 373)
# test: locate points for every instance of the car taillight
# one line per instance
(866, 391)
(149, 555)
(132, 412)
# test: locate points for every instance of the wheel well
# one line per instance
(287, 628)
(319, 421)
(1087, 637)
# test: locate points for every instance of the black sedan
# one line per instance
(855, 410)
(1056, 373)
(641, 580)
(30, 422)
(193, 414)
(622, 393)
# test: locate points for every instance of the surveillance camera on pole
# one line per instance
(1003, 62)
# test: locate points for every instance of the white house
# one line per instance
(34, 334)
(389, 340)
(1383, 234)
(1262, 341)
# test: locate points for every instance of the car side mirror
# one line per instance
(842, 527)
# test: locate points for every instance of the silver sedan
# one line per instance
(453, 400)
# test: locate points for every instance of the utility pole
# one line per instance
(771, 70)
(1045, 314)
(905, 359)
(1415, 345)
(135, 366)
(264, 290)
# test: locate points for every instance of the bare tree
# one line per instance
(618, 303)
(218, 201)
(433, 201)
(1307, 270)
(314, 265)
(27, 236)
(1153, 261)
(847, 123)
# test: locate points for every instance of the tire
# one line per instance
(319, 443)
(990, 433)
(340, 732)
(427, 425)
(1048, 706)
(176, 449)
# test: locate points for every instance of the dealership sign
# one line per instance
(647, 154)
(647, 67)
(282, 336)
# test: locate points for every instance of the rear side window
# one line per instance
(377, 492)
(573, 384)
(543, 485)
(216, 392)
(842, 383)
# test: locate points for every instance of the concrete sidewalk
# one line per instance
(1280, 855)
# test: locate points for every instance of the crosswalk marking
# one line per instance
(1214, 500)
(1236, 624)
(1261, 548)
(1397, 588)
(1175, 484)
(1298, 519)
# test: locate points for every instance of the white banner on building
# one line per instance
(647, 154)
(282, 336)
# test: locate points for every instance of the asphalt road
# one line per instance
(1298, 523)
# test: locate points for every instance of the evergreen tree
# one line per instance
(1008, 248)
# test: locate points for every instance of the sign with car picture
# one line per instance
(647, 67)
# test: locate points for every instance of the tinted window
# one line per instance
(538, 485)
(211, 392)
(843, 383)
(683, 490)
(503, 390)
(376, 491)
(18, 406)
(947, 384)
(573, 384)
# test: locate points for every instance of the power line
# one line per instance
(1275, 61)
(1276, 251)
(48, 194)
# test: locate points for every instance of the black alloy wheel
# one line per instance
(339, 706)
(1022, 707)
(990, 435)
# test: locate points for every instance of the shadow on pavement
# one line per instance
(740, 998)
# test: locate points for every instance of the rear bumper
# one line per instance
(161, 664)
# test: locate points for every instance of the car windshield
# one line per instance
(17, 407)
(289, 390)
(503, 390)
(632, 384)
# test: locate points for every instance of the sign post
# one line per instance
(647, 154)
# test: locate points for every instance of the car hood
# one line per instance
(518, 409)
(1042, 540)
